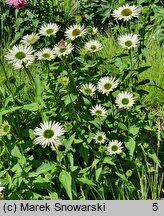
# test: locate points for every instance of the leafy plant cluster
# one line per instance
(15, 24)
(80, 168)
(99, 13)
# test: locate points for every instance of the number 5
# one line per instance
(155, 207)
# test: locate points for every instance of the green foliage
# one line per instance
(79, 166)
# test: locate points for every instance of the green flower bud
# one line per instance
(129, 173)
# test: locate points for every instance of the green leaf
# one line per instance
(3, 112)
(122, 176)
(86, 101)
(134, 130)
(16, 152)
(108, 160)
(98, 172)
(86, 181)
(85, 170)
(66, 180)
(2, 173)
(143, 82)
(96, 123)
(54, 196)
(38, 88)
(84, 153)
(31, 107)
(70, 158)
(22, 160)
(77, 141)
(71, 139)
(8, 180)
(94, 163)
(6, 101)
(142, 92)
(130, 145)
(44, 168)
(122, 126)
(41, 180)
(19, 88)
(154, 157)
(147, 127)
(68, 99)
(142, 69)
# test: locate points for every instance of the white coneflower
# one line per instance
(88, 89)
(99, 137)
(98, 111)
(48, 134)
(30, 39)
(125, 100)
(107, 84)
(45, 54)
(114, 147)
(5, 128)
(19, 55)
(93, 46)
(63, 48)
(49, 29)
(75, 31)
(128, 41)
(126, 12)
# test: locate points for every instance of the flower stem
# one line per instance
(7, 80)
(128, 26)
(131, 61)
(29, 76)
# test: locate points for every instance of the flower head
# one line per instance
(63, 48)
(99, 137)
(68, 126)
(19, 55)
(45, 54)
(64, 80)
(128, 41)
(18, 4)
(126, 12)
(107, 84)
(93, 46)
(30, 39)
(98, 111)
(88, 89)
(49, 29)
(114, 147)
(75, 31)
(5, 128)
(125, 100)
(48, 134)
